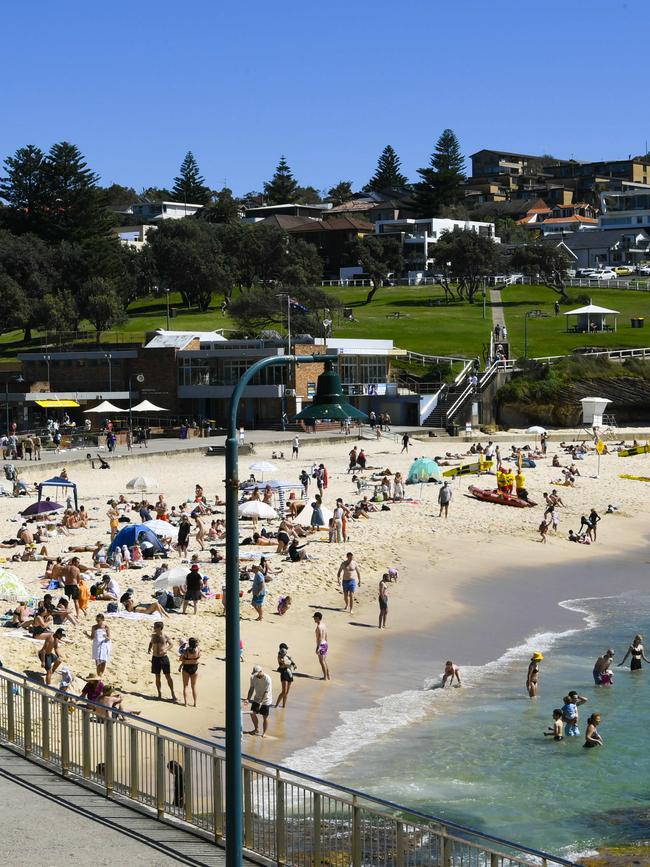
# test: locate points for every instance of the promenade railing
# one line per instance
(289, 818)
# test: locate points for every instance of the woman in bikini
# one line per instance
(532, 676)
(189, 668)
(636, 653)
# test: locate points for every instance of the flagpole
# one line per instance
(289, 320)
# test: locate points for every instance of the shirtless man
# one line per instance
(602, 667)
(71, 574)
(383, 601)
(49, 653)
(321, 644)
(350, 572)
(158, 647)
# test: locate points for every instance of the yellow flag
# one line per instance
(600, 446)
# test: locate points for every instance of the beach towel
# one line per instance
(132, 615)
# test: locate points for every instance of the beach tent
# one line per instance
(57, 482)
(12, 588)
(131, 534)
(423, 470)
(105, 408)
(147, 406)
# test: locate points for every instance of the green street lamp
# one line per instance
(329, 404)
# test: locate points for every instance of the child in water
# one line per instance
(451, 671)
(556, 731)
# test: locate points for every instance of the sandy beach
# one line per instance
(470, 586)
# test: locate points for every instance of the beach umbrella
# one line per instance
(536, 429)
(162, 528)
(171, 578)
(11, 587)
(256, 509)
(142, 483)
(263, 467)
(42, 507)
(423, 470)
(304, 518)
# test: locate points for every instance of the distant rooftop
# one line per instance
(180, 339)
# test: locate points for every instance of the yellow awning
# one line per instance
(56, 404)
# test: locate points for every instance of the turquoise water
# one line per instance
(477, 755)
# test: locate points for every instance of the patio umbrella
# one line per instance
(11, 587)
(256, 509)
(171, 578)
(105, 407)
(263, 467)
(162, 528)
(147, 406)
(42, 507)
(142, 483)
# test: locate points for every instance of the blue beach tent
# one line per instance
(58, 482)
(423, 470)
(133, 533)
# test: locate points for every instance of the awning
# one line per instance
(56, 404)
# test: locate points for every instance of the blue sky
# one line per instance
(326, 83)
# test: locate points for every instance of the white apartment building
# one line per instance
(149, 212)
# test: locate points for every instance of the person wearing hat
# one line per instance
(193, 583)
(260, 691)
(286, 667)
(93, 688)
(533, 673)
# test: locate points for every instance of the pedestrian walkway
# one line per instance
(496, 302)
(47, 819)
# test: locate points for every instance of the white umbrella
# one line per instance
(142, 483)
(263, 467)
(11, 587)
(304, 518)
(162, 528)
(171, 578)
(256, 509)
(105, 407)
(536, 429)
(147, 406)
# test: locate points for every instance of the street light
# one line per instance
(18, 378)
(329, 403)
(108, 357)
(47, 359)
(139, 377)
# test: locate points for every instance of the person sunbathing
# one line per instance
(142, 607)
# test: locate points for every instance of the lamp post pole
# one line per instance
(109, 357)
(167, 293)
(139, 378)
(7, 406)
(234, 824)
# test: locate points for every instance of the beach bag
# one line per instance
(112, 608)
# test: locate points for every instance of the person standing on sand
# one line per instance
(71, 575)
(383, 600)
(350, 572)
(160, 664)
(286, 667)
(444, 498)
(405, 444)
(260, 691)
(189, 667)
(532, 676)
(49, 654)
(322, 645)
(543, 531)
(295, 447)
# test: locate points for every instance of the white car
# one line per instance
(605, 274)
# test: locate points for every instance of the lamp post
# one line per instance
(167, 294)
(139, 377)
(47, 359)
(108, 357)
(328, 403)
(18, 378)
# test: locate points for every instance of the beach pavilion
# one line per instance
(590, 318)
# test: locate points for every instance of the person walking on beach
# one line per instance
(286, 667)
(532, 676)
(592, 738)
(71, 575)
(444, 498)
(260, 691)
(100, 634)
(405, 443)
(543, 531)
(189, 667)
(593, 519)
(382, 598)
(636, 653)
(258, 589)
(322, 645)
(351, 574)
(295, 447)
(49, 653)
(158, 647)
(193, 583)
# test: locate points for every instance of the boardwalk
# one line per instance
(49, 820)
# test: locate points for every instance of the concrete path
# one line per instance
(498, 317)
(51, 821)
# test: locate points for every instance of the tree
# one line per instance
(545, 264)
(116, 195)
(22, 190)
(156, 194)
(258, 309)
(102, 304)
(282, 187)
(387, 175)
(189, 259)
(27, 261)
(466, 258)
(224, 208)
(378, 257)
(442, 178)
(189, 185)
(340, 193)
(73, 204)
(308, 196)
(14, 306)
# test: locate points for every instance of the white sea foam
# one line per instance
(405, 708)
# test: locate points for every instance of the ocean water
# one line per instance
(477, 755)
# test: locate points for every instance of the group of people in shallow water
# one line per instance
(565, 719)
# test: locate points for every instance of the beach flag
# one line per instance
(600, 446)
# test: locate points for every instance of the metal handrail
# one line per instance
(289, 816)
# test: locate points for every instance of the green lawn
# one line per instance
(548, 336)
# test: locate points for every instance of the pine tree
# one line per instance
(73, 203)
(22, 189)
(388, 175)
(282, 187)
(442, 178)
(190, 186)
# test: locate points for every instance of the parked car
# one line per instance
(605, 274)
(623, 270)
(584, 273)
(644, 269)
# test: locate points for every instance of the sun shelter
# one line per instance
(147, 406)
(58, 482)
(104, 408)
(133, 533)
(423, 470)
(591, 318)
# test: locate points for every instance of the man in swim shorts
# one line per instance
(321, 644)
(160, 664)
(350, 575)
(260, 691)
(601, 673)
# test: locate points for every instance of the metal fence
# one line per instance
(289, 818)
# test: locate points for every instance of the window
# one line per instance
(348, 370)
(373, 369)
